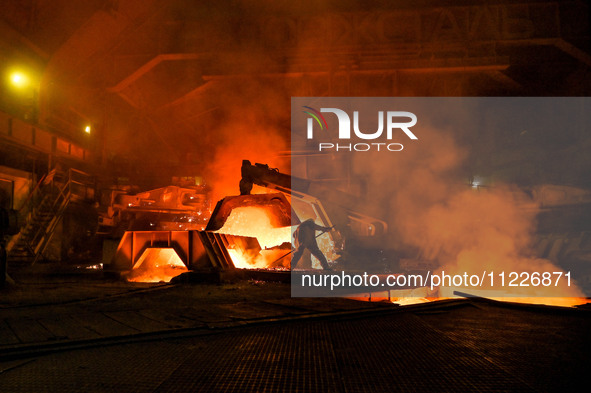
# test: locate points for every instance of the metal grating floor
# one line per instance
(463, 349)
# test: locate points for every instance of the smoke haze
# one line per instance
(425, 195)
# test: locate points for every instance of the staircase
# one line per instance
(46, 207)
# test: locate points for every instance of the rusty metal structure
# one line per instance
(498, 47)
(210, 248)
(213, 248)
(149, 90)
(200, 251)
(61, 205)
(165, 208)
(339, 207)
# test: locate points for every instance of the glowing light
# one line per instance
(87, 129)
(157, 264)
(19, 79)
(256, 222)
(542, 295)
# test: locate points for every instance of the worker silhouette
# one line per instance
(305, 237)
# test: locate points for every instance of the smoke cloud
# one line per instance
(425, 194)
(255, 127)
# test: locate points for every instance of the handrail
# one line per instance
(39, 240)
(65, 185)
(30, 196)
(54, 209)
(89, 179)
(80, 172)
(48, 235)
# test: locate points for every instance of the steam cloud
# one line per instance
(425, 194)
(255, 127)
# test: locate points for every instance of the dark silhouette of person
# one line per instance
(305, 237)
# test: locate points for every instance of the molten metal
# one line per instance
(256, 222)
(156, 265)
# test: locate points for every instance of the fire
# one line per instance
(156, 265)
(265, 260)
(255, 222)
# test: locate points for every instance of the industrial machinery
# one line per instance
(343, 207)
(358, 235)
(253, 231)
(166, 208)
(247, 231)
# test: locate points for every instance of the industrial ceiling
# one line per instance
(163, 82)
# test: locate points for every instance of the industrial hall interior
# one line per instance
(159, 206)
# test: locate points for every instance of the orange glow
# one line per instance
(261, 145)
(255, 222)
(492, 232)
(462, 229)
(157, 265)
(327, 246)
(531, 295)
(266, 259)
(410, 300)
(242, 261)
(549, 301)
(403, 297)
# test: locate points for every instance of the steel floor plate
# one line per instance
(463, 349)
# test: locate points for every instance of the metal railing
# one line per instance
(46, 204)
